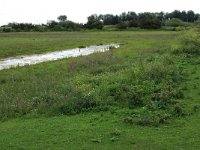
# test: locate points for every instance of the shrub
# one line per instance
(40, 28)
(149, 119)
(7, 29)
(174, 22)
(178, 110)
(133, 23)
(189, 43)
(122, 25)
(128, 120)
(150, 24)
(135, 98)
(78, 103)
(164, 117)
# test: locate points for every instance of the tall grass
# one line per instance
(148, 84)
(152, 84)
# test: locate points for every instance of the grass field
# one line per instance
(12, 44)
(139, 96)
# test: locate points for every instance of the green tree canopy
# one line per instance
(62, 18)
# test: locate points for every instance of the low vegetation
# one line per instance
(147, 85)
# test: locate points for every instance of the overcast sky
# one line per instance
(39, 11)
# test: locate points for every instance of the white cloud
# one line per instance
(39, 11)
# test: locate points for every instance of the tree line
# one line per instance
(144, 20)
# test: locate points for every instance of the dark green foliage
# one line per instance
(62, 18)
(6, 29)
(188, 16)
(78, 104)
(21, 27)
(133, 23)
(70, 26)
(135, 98)
(109, 19)
(150, 23)
(94, 23)
(40, 28)
(145, 20)
(178, 110)
(122, 25)
(52, 24)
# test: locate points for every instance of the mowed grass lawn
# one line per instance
(36, 129)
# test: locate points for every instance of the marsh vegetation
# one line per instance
(144, 94)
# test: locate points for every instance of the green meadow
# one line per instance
(143, 95)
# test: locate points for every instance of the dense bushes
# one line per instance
(150, 24)
(174, 22)
(152, 84)
(189, 42)
(148, 88)
(143, 24)
(122, 25)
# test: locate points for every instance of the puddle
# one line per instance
(35, 59)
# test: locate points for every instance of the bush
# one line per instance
(40, 28)
(6, 29)
(178, 110)
(122, 25)
(161, 71)
(189, 42)
(78, 103)
(148, 118)
(174, 22)
(135, 98)
(150, 24)
(133, 23)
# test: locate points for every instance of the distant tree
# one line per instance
(146, 16)
(94, 23)
(62, 18)
(21, 26)
(123, 17)
(110, 19)
(51, 24)
(197, 17)
(150, 24)
(160, 16)
(190, 16)
(184, 16)
(176, 14)
(131, 16)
